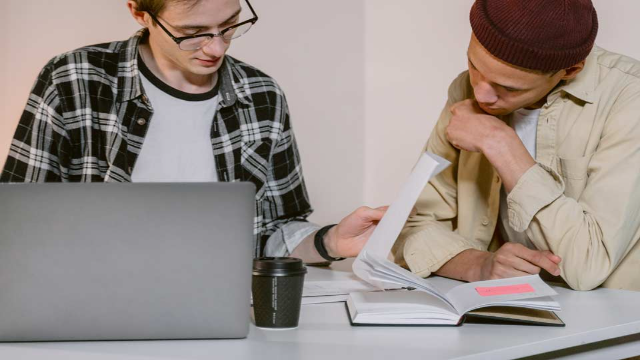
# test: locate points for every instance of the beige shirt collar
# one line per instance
(583, 86)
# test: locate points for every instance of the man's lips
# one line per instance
(208, 61)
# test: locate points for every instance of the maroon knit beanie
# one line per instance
(543, 35)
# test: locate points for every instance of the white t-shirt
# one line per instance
(525, 123)
(177, 146)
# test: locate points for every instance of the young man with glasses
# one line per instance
(168, 105)
(543, 132)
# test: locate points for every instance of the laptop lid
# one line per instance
(125, 261)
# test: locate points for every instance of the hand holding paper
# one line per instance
(390, 226)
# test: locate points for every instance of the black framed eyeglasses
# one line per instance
(197, 42)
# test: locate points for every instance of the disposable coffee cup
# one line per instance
(277, 291)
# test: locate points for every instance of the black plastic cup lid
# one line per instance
(278, 266)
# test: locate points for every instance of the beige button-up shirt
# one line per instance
(581, 200)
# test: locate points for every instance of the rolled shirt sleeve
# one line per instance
(537, 188)
(288, 237)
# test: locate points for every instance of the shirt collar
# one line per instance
(129, 83)
(584, 84)
(233, 84)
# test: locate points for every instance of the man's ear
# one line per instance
(140, 17)
(572, 72)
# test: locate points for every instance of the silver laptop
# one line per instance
(125, 261)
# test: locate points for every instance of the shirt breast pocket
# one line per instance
(575, 172)
(255, 163)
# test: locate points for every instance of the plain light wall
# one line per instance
(414, 49)
(314, 49)
(365, 79)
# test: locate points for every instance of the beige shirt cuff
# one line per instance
(537, 188)
(429, 249)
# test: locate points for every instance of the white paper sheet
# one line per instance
(334, 287)
(311, 300)
(465, 297)
(389, 228)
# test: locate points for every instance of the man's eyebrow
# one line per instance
(200, 27)
(503, 86)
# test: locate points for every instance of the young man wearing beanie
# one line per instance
(543, 132)
(168, 105)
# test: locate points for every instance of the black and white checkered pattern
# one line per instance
(87, 116)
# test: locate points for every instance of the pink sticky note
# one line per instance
(505, 290)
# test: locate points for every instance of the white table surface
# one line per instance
(600, 324)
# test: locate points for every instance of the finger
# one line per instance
(553, 257)
(501, 272)
(516, 273)
(522, 265)
(455, 107)
(538, 259)
(462, 106)
(414, 211)
(369, 214)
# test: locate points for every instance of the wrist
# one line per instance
(330, 242)
(475, 265)
(496, 140)
(508, 155)
(325, 243)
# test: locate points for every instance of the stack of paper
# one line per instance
(328, 291)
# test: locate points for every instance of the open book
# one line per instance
(437, 301)
(442, 301)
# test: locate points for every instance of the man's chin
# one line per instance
(198, 70)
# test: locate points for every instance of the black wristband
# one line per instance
(318, 241)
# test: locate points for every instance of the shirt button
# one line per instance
(485, 222)
(142, 121)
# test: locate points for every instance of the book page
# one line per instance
(387, 231)
(399, 307)
(386, 272)
(499, 292)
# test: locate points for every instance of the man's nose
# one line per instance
(216, 47)
(485, 93)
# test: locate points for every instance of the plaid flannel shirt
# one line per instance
(87, 116)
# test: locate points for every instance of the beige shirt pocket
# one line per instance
(575, 172)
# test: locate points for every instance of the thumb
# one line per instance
(555, 258)
(375, 214)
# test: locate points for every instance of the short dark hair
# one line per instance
(156, 6)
